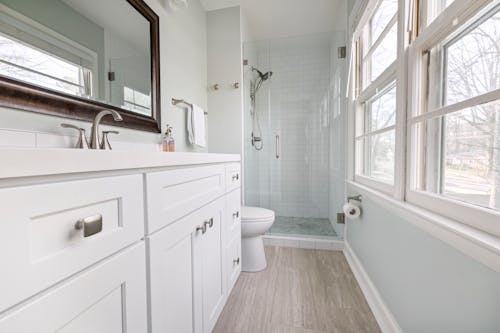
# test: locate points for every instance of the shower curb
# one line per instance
(304, 242)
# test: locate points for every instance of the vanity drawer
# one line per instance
(233, 262)
(175, 193)
(233, 177)
(39, 242)
(109, 297)
(233, 217)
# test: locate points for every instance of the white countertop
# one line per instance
(41, 162)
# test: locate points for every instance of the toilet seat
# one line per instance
(256, 214)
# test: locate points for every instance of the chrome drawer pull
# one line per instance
(236, 215)
(91, 225)
(203, 228)
(236, 261)
(210, 223)
(236, 176)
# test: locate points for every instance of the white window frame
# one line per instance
(393, 73)
(449, 20)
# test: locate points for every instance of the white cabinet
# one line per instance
(172, 297)
(107, 279)
(173, 194)
(233, 238)
(186, 291)
(233, 262)
(39, 244)
(233, 177)
(211, 260)
(107, 298)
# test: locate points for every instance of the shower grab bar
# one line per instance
(277, 146)
(176, 101)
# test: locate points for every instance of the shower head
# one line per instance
(263, 76)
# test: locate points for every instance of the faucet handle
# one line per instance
(105, 145)
(82, 142)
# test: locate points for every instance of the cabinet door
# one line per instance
(233, 262)
(107, 298)
(212, 261)
(175, 295)
(186, 277)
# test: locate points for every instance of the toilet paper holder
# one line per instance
(358, 197)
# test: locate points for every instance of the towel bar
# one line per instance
(176, 101)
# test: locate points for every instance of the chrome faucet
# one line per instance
(94, 134)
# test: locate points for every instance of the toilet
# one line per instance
(255, 221)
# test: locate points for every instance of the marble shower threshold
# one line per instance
(303, 227)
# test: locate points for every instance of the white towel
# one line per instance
(196, 126)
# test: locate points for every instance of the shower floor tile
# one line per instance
(302, 226)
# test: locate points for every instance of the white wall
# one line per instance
(183, 75)
(428, 285)
(292, 18)
(224, 57)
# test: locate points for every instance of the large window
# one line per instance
(376, 56)
(455, 120)
(426, 106)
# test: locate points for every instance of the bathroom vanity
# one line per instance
(116, 241)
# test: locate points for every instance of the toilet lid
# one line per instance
(256, 214)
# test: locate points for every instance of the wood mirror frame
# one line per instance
(28, 97)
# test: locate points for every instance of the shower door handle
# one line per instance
(277, 146)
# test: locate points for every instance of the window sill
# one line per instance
(481, 246)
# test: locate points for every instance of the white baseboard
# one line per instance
(383, 315)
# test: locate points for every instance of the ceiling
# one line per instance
(285, 18)
(219, 4)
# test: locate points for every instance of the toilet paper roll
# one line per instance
(352, 211)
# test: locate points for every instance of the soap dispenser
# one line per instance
(168, 142)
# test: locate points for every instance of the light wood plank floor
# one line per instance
(301, 291)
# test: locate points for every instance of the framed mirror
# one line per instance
(73, 58)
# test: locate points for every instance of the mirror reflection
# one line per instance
(93, 49)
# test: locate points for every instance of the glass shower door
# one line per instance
(299, 132)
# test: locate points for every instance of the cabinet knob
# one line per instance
(236, 261)
(236, 85)
(91, 225)
(236, 176)
(203, 228)
(209, 222)
(236, 215)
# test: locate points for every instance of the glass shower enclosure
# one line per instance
(294, 132)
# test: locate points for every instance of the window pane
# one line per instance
(22, 55)
(473, 62)
(380, 156)
(435, 7)
(40, 80)
(136, 101)
(466, 65)
(382, 57)
(460, 156)
(381, 18)
(382, 110)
